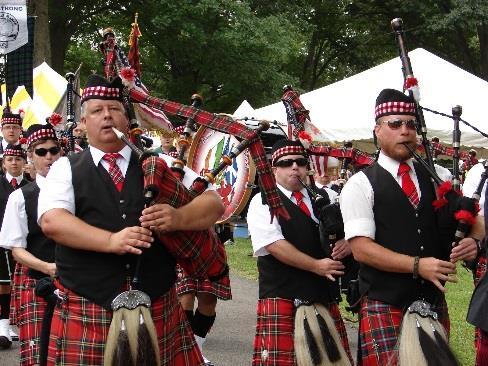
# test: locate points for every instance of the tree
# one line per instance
(70, 19)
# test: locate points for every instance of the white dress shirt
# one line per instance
(263, 231)
(14, 227)
(58, 192)
(471, 183)
(10, 177)
(357, 199)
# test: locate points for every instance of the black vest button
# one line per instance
(127, 266)
(121, 201)
(421, 247)
(124, 216)
(419, 231)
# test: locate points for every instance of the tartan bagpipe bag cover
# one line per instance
(200, 253)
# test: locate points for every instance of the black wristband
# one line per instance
(416, 261)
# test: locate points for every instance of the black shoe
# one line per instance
(5, 342)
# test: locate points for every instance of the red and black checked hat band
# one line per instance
(11, 119)
(97, 87)
(14, 150)
(286, 147)
(37, 132)
(391, 101)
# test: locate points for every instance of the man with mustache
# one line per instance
(395, 235)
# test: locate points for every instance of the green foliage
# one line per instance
(233, 50)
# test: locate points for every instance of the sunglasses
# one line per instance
(43, 151)
(286, 163)
(395, 124)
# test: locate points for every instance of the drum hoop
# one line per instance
(251, 167)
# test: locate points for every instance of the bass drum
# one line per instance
(234, 184)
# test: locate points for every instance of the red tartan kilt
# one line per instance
(379, 329)
(480, 269)
(29, 320)
(79, 331)
(18, 279)
(200, 253)
(275, 330)
(479, 272)
(186, 284)
(482, 349)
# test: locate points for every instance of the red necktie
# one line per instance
(114, 170)
(407, 184)
(299, 199)
(13, 182)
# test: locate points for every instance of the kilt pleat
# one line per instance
(30, 314)
(273, 343)
(379, 329)
(79, 331)
(187, 284)
(18, 278)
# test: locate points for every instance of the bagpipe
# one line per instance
(312, 343)
(423, 340)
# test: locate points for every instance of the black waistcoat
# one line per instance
(100, 276)
(402, 229)
(37, 243)
(5, 190)
(277, 279)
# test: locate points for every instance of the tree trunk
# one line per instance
(42, 44)
(309, 62)
(483, 39)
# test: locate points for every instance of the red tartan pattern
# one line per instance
(275, 329)
(379, 328)
(297, 115)
(11, 121)
(79, 330)
(394, 107)
(482, 349)
(16, 291)
(114, 170)
(186, 284)
(439, 149)
(227, 125)
(357, 156)
(100, 92)
(287, 150)
(42, 133)
(200, 253)
(29, 320)
(478, 273)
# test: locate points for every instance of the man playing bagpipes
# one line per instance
(92, 208)
(298, 319)
(471, 187)
(13, 163)
(30, 247)
(404, 248)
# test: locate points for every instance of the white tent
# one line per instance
(345, 110)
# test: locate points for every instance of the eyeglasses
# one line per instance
(43, 151)
(395, 124)
(11, 127)
(286, 163)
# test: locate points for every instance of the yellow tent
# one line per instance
(48, 87)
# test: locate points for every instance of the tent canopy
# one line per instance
(345, 110)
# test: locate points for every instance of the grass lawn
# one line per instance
(242, 263)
